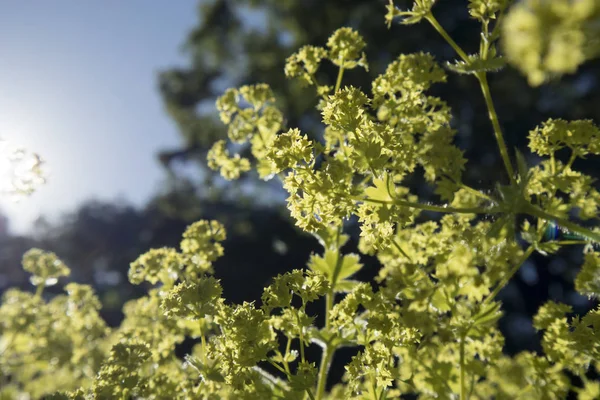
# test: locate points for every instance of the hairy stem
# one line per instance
(485, 89)
(288, 346)
(279, 368)
(486, 94)
(324, 369)
(301, 339)
(430, 207)
(570, 162)
(330, 296)
(434, 22)
(463, 389)
(338, 82)
(328, 306)
(475, 192)
(565, 223)
(397, 246)
(203, 344)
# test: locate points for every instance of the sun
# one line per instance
(21, 171)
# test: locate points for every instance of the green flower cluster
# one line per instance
(427, 327)
(545, 39)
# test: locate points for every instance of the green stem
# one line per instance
(324, 369)
(447, 37)
(279, 368)
(373, 390)
(397, 246)
(39, 290)
(475, 192)
(301, 338)
(203, 341)
(569, 242)
(463, 389)
(328, 306)
(570, 162)
(429, 207)
(486, 94)
(338, 81)
(565, 223)
(330, 296)
(485, 89)
(288, 346)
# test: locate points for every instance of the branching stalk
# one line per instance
(572, 226)
(486, 94)
(338, 82)
(39, 290)
(434, 208)
(485, 89)
(397, 246)
(324, 369)
(463, 389)
(433, 21)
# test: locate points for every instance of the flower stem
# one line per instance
(397, 246)
(485, 89)
(475, 192)
(486, 94)
(324, 369)
(301, 341)
(565, 223)
(288, 346)
(430, 207)
(328, 306)
(39, 290)
(338, 82)
(203, 344)
(463, 390)
(434, 22)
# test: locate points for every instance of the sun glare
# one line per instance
(21, 171)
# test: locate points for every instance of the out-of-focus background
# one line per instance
(118, 98)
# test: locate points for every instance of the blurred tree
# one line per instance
(99, 240)
(247, 41)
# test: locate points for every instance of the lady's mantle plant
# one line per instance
(428, 325)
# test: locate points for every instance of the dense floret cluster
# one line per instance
(428, 326)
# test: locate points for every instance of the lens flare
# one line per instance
(21, 172)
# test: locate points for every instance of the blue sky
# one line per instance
(78, 85)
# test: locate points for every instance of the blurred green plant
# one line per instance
(427, 326)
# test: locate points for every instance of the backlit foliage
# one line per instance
(428, 325)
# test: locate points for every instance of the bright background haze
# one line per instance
(78, 85)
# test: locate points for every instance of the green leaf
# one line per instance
(488, 315)
(477, 65)
(440, 301)
(346, 286)
(382, 189)
(350, 265)
(336, 269)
